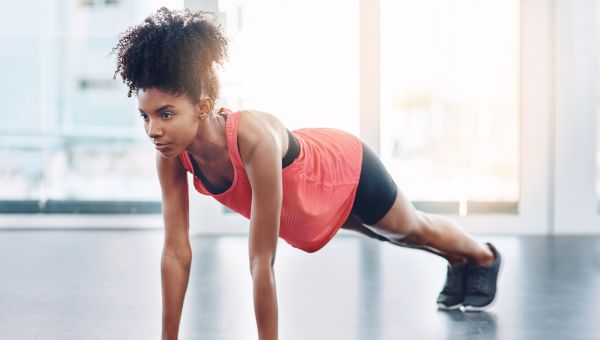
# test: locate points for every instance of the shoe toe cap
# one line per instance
(477, 300)
(449, 300)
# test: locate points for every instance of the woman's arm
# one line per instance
(261, 153)
(177, 253)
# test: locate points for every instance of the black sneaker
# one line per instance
(480, 284)
(453, 292)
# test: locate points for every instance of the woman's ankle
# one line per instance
(456, 260)
(485, 257)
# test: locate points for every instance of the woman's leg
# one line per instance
(403, 225)
(352, 223)
(383, 212)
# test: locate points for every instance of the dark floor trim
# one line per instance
(79, 207)
(154, 207)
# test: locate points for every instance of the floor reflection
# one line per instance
(369, 306)
(479, 325)
(106, 285)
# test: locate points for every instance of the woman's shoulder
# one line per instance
(258, 119)
(256, 126)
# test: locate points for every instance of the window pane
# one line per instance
(69, 131)
(102, 151)
(449, 96)
(20, 145)
(293, 61)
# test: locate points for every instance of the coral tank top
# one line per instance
(318, 187)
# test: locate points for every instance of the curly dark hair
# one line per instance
(175, 51)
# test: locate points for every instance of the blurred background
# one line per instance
(486, 110)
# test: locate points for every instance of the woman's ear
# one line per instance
(204, 107)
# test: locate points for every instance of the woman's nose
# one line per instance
(154, 130)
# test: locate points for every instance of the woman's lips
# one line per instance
(161, 147)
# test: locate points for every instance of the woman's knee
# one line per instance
(421, 231)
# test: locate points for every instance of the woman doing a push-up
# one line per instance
(302, 185)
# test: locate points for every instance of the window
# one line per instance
(69, 132)
(450, 99)
(297, 60)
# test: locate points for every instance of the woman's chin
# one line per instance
(169, 153)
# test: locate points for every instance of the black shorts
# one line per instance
(376, 189)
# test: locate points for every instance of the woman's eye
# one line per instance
(164, 115)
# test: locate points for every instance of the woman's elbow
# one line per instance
(181, 254)
(261, 264)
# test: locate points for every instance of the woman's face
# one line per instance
(170, 121)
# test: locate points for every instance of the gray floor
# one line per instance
(106, 285)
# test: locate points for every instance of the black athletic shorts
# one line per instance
(376, 189)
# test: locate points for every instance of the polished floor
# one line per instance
(81, 285)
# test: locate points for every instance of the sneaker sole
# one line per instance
(444, 307)
(478, 308)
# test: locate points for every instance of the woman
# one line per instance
(300, 185)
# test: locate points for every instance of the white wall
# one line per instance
(576, 90)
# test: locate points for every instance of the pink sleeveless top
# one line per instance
(318, 187)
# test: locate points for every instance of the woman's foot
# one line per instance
(453, 293)
(480, 283)
(471, 286)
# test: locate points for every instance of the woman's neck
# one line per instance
(210, 143)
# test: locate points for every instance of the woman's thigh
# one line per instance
(376, 190)
(379, 202)
(401, 220)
